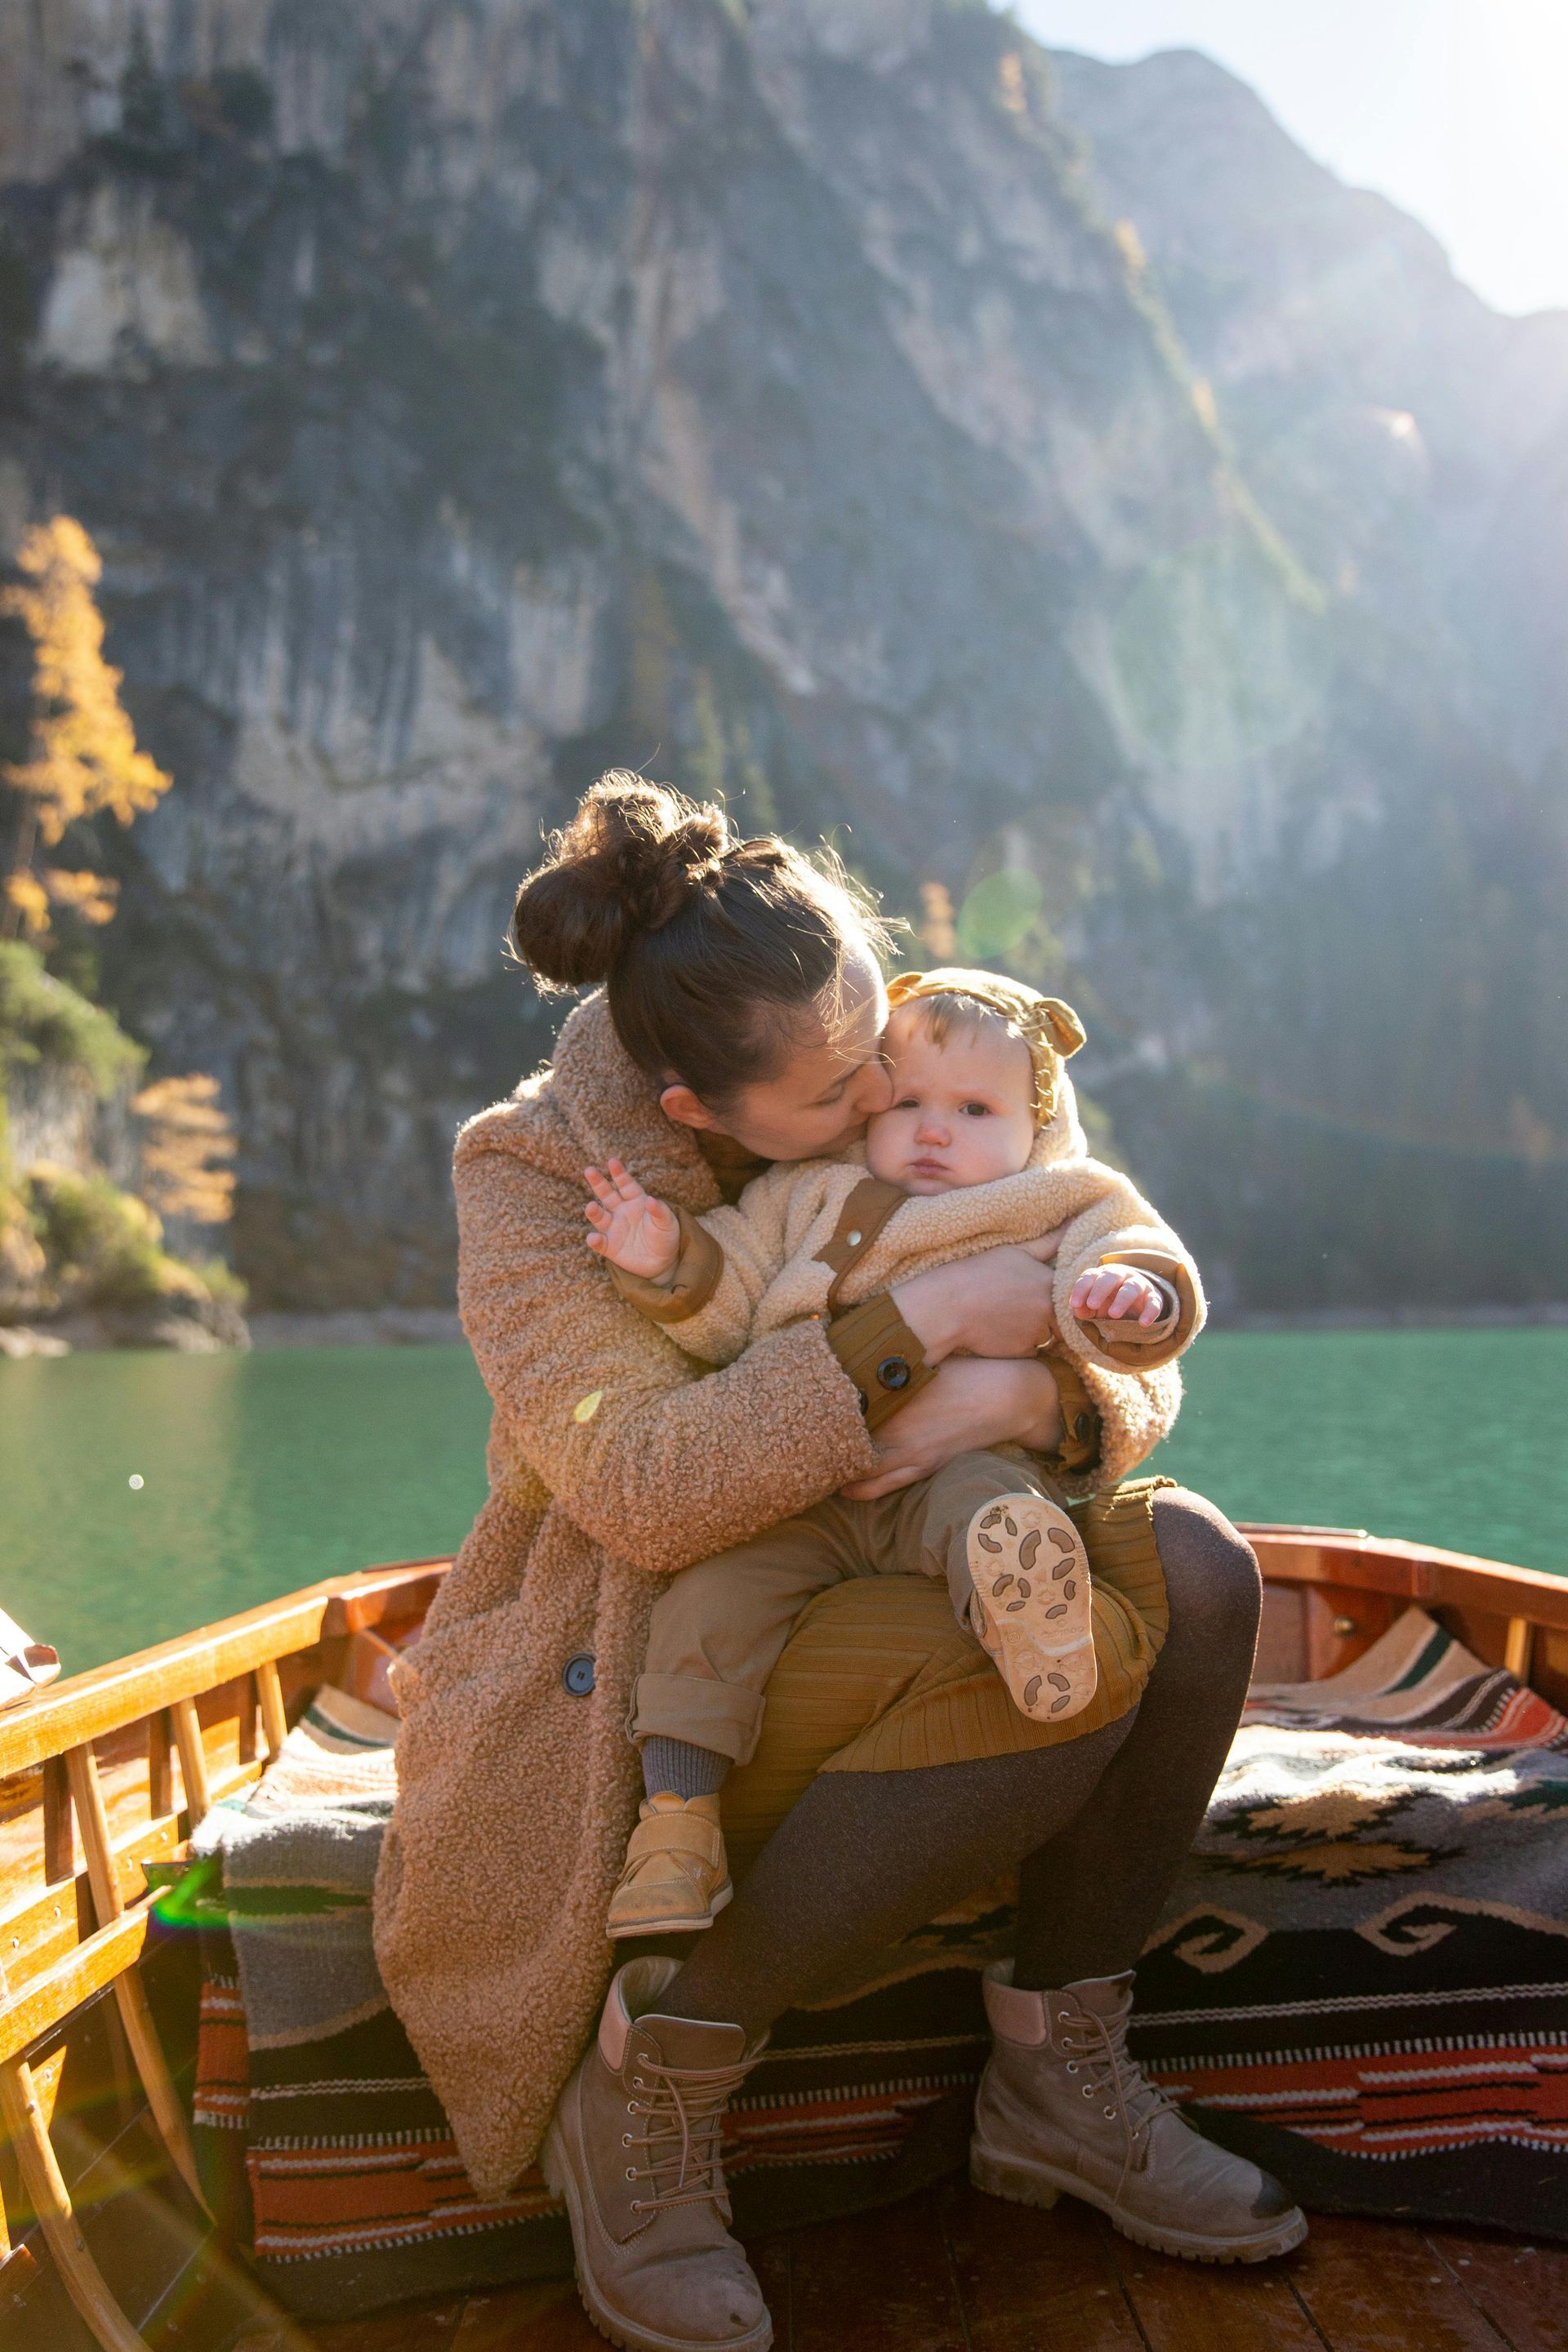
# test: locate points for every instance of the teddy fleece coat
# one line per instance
(613, 1460)
(780, 1262)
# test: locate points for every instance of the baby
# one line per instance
(980, 1146)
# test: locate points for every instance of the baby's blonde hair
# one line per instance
(954, 1014)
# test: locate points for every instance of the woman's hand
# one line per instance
(973, 1402)
(995, 1304)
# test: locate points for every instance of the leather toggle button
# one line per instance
(865, 1400)
(577, 1673)
(1082, 1426)
(893, 1373)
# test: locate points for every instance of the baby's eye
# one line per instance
(907, 1102)
(975, 1109)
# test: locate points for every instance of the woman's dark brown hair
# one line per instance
(714, 949)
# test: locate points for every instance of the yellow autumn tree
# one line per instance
(85, 760)
(187, 1142)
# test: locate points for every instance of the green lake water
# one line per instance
(261, 1473)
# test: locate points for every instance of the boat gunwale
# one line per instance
(110, 1698)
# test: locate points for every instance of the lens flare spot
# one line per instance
(136, 1481)
(586, 1407)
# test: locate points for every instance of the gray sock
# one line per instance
(681, 1768)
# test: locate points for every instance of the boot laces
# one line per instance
(683, 2108)
(1119, 2087)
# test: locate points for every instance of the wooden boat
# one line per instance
(104, 2238)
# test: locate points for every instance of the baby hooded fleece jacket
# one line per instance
(811, 1235)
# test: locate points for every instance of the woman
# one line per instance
(740, 1023)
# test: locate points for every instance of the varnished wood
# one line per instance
(85, 1706)
(41, 2176)
(38, 1929)
(160, 1765)
(1521, 2289)
(146, 2049)
(1412, 1572)
(1196, 2307)
(947, 2269)
(60, 1829)
(270, 1694)
(49, 1999)
(888, 2289)
(1027, 2279)
(1516, 1648)
(193, 1759)
(1367, 2284)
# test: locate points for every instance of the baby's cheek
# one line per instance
(884, 1148)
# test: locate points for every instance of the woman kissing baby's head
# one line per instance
(963, 1097)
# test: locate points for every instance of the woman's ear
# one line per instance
(680, 1104)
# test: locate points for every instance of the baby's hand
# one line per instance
(1111, 1293)
(632, 1230)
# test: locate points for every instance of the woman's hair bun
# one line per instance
(632, 857)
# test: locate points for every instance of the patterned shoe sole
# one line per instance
(1032, 1603)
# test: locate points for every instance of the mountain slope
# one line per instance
(466, 393)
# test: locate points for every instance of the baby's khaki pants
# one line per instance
(717, 1630)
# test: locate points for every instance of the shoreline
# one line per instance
(274, 1331)
(1548, 1314)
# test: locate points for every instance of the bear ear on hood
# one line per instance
(1068, 1031)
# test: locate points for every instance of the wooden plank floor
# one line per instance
(954, 2271)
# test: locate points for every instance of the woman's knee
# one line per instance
(1211, 1580)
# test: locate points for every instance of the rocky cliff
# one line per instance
(1008, 462)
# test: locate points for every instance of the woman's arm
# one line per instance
(999, 1303)
(659, 1464)
(970, 1403)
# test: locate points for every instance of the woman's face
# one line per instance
(829, 1087)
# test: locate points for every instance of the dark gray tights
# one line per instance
(1098, 1826)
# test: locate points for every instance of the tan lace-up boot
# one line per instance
(1064, 2110)
(634, 2148)
(675, 1878)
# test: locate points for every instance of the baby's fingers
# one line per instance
(601, 1187)
(597, 1215)
(625, 1184)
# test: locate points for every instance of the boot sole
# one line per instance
(557, 2172)
(683, 1925)
(1030, 1573)
(1040, 2184)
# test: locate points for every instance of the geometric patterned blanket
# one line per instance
(1368, 1951)
(1362, 1978)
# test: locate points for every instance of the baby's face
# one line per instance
(962, 1113)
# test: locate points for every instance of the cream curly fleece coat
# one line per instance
(773, 1240)
(612, 1461)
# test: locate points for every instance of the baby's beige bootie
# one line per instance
(675, 1878)
(1031, 1606)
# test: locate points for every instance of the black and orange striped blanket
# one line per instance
(1361, 1978)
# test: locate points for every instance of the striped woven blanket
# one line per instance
(1362, 1978)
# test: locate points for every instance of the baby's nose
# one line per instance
(932, 1127)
